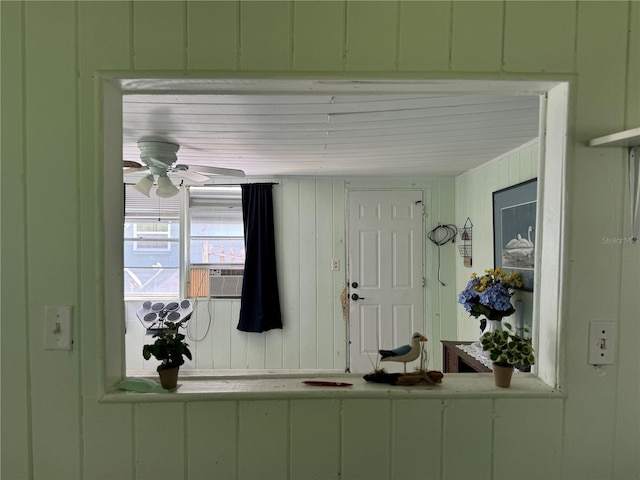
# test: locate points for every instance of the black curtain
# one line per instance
(260, 304)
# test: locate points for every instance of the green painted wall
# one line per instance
(474, 200)
(52, 424)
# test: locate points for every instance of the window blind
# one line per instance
(153, 207)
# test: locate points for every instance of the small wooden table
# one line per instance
(455, 360)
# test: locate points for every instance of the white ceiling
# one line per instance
(347, 134)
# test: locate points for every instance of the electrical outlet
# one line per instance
(602, 343)
(335, 264)
(57, 334)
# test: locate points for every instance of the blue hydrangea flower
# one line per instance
(496, 297)
(493, 302)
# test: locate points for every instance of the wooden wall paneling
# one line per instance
(515, 437)
(314, 439)
(627, 432)
(440, 206)
(478, 186)
(540, 37)
(514, 168)
(594, 174)
(366, 439)
(265, 35)
(263, 440)
(340, 323)
(99, 49)
(502, 170)
(435, 320)
(467, 433)
(633, 68)
(159, 35)
(135, 338)
(463, 210)
(107, 436)
(372, 36)
(597, 20)
(291, 276)
(211, 439)
(235, 316)
(50, 67)
(222, 325)
(308, 232)
(477, 36)
(255, 350)
(416, 441)
(159, 428)
(212, 35)
(15, 335)
(318, 36)
(200, 333)
(239, 348)
(528, 162)
(325, 296)
(273, 349)
(599, 172)
(425, 36)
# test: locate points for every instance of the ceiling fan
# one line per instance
(159, 159)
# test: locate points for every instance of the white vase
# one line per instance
(491, 326)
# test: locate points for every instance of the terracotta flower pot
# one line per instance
(502, 374)
(169, 377)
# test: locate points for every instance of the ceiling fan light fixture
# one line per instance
(166, 188)
(144, 185)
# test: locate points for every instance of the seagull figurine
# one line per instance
(405, 353)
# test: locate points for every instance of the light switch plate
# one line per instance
(602, 343)
(57, 334)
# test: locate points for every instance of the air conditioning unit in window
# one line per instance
(225, 282)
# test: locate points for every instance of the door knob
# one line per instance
(356, 297)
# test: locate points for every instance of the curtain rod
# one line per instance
(237, 184)
(223, 184)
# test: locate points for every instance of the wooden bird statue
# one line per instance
(405, 353)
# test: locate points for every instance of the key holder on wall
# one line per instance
(466, 235)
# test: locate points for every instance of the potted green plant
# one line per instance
(169, 348)
(507, 348)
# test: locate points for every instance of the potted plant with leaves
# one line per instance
(507, 348)
(169, 348)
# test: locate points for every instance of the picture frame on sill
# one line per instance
(514, 230)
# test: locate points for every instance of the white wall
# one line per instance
(53, 426)
(474, 200)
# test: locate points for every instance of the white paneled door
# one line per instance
(385, 275)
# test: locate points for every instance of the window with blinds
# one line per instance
(213, 246)
(216, 242)
(151, 245)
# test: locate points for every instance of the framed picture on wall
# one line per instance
(514, 230)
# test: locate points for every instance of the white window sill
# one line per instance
(284, 387)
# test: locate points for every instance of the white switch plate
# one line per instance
(335, 264)
(57, 332)
(602, 343)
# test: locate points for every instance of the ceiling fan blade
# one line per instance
(131, 164)
(196, 177)
(230, 172)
